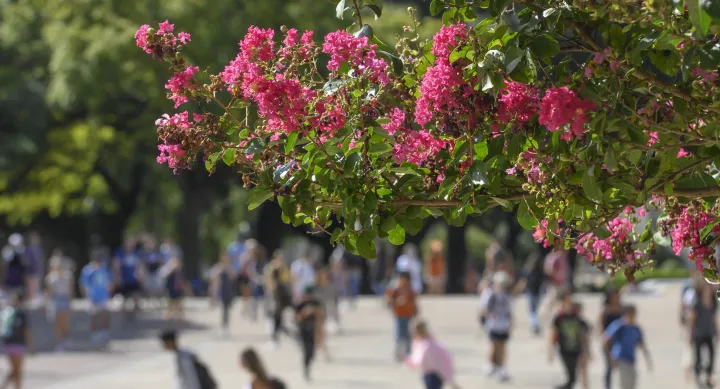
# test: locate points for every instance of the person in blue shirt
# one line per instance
(95, 282)
(127, 270)
(622, 338)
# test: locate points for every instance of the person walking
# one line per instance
(259, 378)
(96, 285)
(17, 338)
(612, 310)
(15, 267)
(191, 372)
(431, 358)
(568, 338)
(127, 276)
(556, 268)
(176, 288)
(353, 275)
(35, 260)
(496, 307)
(224, 279)
(307, 315)
(436, 268)
(325, 294)
(586, 354)
(702, 325)
(302, 272)
(402, 299)
(279, 289)
(59, 286)
(409, 262)
(531, 282)
(622, 338)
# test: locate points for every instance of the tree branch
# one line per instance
(357, 12)
(428, 203)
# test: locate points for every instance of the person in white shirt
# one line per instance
(496, 308)
(409, 262)
(302, 272)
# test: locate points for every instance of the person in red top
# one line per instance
(402, 300)
(435, 268)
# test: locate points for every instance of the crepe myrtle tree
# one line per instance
(580, 113)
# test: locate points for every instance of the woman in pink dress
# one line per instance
(432, 359)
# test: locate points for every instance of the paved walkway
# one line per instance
(362, 357)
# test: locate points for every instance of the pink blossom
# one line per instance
(654, 138)
(178, 120)
(447, 39)
(307, 38)
(686, 233)
(540, 234)
(600, 56)
(682, 153)
(169, 154)
(511, 171)
(180, 83)
(617, 245)
(588, 72)
(141, 38)
(561, 107)
(397, 121)
(360, 55)
(184, 37)
(416, 146)
(166, 28)
(291, 38)
(440, 90)
(518, 102)
(707, 76)
(330, 116)
(641, 212)
(198, 117)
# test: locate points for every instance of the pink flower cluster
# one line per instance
(330, 116)
(709, 77)
(560, 107)
(358, 52)
(397, 121)
(157, 42)
(541, 234)
(687, 231)
(417, 146)
(444, 93)
(518, 102)
(178, 125)
(180, 84)
(618, 246)
(448, 38)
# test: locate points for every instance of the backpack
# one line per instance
(205, 378)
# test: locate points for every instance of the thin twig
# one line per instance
(357, 12)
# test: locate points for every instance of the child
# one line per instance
(59, 284)
(95, 281)
(496, 308)
(402, 300)
(568, 336)
(434, 361)
(622, 337)
(17, 337)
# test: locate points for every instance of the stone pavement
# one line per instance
(362, 355)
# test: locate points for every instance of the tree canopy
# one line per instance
(582, 114)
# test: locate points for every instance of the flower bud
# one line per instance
(411, 10)
(283, 29)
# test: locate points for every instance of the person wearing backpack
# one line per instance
(250, 361)
(622, 338)
(191, 372)
(17, 338)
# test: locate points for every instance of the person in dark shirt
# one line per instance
(569, 336)
(307, 313)
(281, 300)
(15, 264)
(17, 338)
(532, 280)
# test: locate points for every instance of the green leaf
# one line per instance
(257, 196)
(487, 82)
(388, 224)
(229, 156)
(366, 245)
(525, 218)
(707, 230)
(545, 46)
(290, 141)
(503, 203)
(513, 57)
(333, 85)
(477, 173)
(210, 161)
(661, 240)
(712, 8)
(352, 163)
(449, 16)
(396, 236)
(481, 150)
(610, 160)
(340, 9)
(699, 18)
(436, 7)
(602, 232)
(590, 186)
(254, 146)
(365, 31)
(710, 276)
(375, 5)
